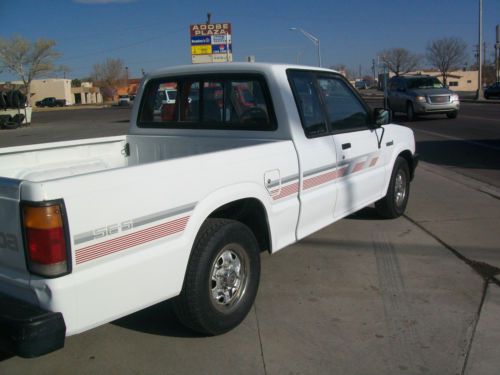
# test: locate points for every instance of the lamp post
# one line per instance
(312, 38)
(480, 51)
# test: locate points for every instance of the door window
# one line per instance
(345, 111)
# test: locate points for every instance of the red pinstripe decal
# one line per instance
(359, 166)
(287, 190)
(130, 240)
(324, 178)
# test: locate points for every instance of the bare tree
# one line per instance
(28, 60)
(109, 75)
(399, 60)
(446, 55)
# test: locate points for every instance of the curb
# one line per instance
(470, 182)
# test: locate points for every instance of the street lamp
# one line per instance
(480, 46)
(312, 38)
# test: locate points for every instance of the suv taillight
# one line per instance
(45, 238)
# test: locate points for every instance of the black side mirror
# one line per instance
(381, 116)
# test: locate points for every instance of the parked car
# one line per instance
(421, 95)
(492, 91)
(124, 100)
(361, 85)
(51, 102)
(92, 230)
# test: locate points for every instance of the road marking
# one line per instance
(458, 139)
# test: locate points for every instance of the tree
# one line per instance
(446, 55)
(109, 75)
(28, 60)
(399, 60)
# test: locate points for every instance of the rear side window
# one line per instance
(308, 103)
(218, 102)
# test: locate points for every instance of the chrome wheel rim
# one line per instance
(228, 277)
(400, 188)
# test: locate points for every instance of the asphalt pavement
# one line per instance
(415, 295)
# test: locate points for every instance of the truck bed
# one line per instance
(50, 161)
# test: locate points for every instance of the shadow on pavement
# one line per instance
(4, 356)
(463, 154)
(158, 319)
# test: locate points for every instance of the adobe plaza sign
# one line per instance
(204, 29)
(211, 43)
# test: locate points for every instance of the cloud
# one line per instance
(102, 1)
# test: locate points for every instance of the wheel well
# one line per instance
(409, 159)
(250, 212)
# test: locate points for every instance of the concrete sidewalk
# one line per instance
(362, 296)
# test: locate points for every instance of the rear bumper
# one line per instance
(27, 330)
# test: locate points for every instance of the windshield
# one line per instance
(424, 83)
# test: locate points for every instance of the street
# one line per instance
(415, 295)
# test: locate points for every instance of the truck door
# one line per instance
(360, 175)
(316, 153)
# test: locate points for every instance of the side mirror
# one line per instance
(381, 116)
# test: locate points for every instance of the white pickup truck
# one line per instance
(248, 158)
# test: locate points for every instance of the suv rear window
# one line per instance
(208, 102)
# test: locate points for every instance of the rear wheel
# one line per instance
(222, 278)
(394, 203)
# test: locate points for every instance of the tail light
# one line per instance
(46, 238)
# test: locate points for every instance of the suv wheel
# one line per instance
(452, 114)
(410, 112)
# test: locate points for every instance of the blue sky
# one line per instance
(150, 34)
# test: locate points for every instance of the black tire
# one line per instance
(410, 112)
(394, 203)
(452, 114)
(212, 271)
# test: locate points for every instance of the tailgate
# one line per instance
(11, 243)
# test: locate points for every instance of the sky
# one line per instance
(150, 34)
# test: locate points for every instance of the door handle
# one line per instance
(345, 146)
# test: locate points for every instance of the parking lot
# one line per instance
(415, 295)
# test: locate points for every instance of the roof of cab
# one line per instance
(237, 67)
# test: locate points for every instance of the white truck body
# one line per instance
(134, 204)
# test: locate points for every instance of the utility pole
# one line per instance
(480, 51)
(209, 18)
(497, 57)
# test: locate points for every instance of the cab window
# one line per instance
(208, 102)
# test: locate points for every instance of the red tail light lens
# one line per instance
(46, 241)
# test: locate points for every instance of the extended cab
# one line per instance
(92, 230)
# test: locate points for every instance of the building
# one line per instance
(58, 88)
(458, 80)
(86, 94)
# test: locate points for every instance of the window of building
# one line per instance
(453, 83)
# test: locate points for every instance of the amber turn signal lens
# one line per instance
(48, 217)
